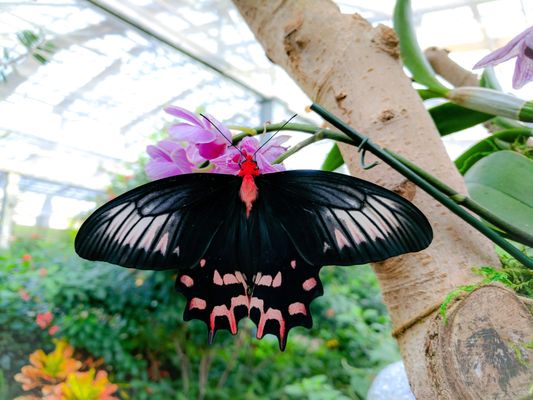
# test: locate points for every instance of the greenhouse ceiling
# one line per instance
(70, 124)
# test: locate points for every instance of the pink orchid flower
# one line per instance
(201, 131)
(520, 47)
(205, 142)
(197, 140)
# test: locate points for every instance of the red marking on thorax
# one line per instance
(248, 190)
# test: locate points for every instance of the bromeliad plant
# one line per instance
(58, 376)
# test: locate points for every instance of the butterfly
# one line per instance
(252, 244)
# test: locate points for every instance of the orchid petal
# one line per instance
(228, 163)
(193, 154)
(163, 149)
(159, 169)
(266, 167)
(170, 161)
(186, 115)
(523, 71)
(212, 121)
(273, 149)
(249, 145)
(211, 150)
(190, 133)
(179, 157)
(156, 152)
(510, 50)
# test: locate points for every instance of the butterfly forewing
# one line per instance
(166, 224)
(264, 265)
(335, 219)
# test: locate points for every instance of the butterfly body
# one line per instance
(252, 245)
(248, 191)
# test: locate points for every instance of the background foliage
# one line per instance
(133, 320)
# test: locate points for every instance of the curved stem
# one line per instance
(319, 135)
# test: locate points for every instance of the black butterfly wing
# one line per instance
(335, 219)
(165, 224)
(264, 266)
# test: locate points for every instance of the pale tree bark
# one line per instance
(353, 69)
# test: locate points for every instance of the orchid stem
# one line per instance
(434, 192)
(317, 136)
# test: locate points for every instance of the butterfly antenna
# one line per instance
(275, 133)
(224, 136)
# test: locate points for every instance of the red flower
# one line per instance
(26, 257)
(44, 319)
(53, 330)
(24, 295)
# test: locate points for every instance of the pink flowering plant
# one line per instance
(196, 143)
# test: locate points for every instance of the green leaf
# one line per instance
(412, 55)
(27, 38)
(503, 183)
(40, 58)
(488, 80)
(426, 94)
(450, 117)
(490, 145)
(333, 160)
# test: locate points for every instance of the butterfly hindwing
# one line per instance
(251, 268)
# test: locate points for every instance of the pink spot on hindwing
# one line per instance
(309, 284)
(270, 314)
(223, 311)
(202, 263)
(198, 303)
(187, 280)
(277, 280)
(297, 308)
(293, 264)
(217, 279)
(230, 279)
(265, 280)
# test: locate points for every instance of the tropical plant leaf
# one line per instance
(413, 57)
(426, 94)
(502, 140)
(503, 183)
(333, 160)
(450, 117)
